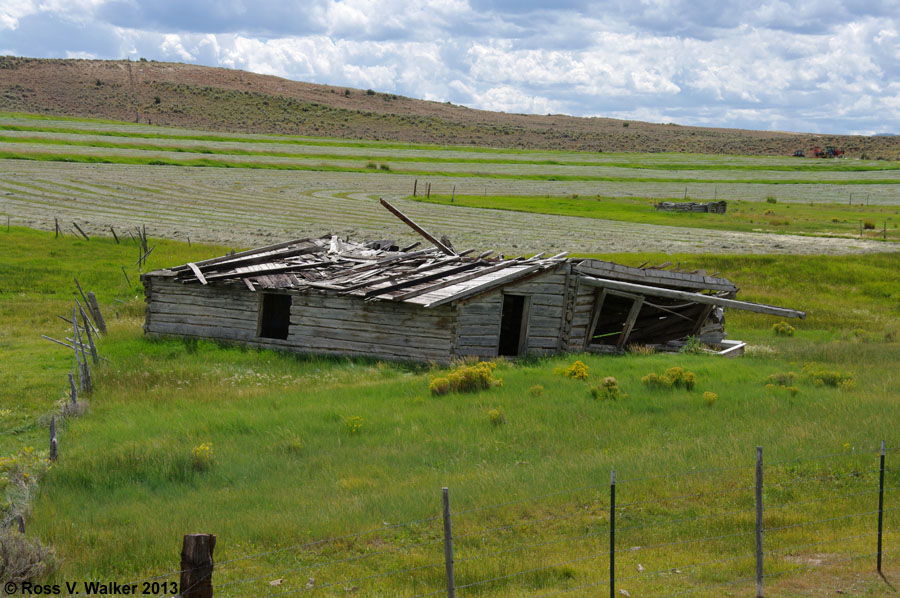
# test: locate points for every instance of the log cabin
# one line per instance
(376, 299)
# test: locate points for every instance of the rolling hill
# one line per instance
(200, 97)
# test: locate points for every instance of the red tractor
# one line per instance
(829, 152)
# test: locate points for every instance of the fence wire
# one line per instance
(596, 511)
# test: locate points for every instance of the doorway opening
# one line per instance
(513, 325)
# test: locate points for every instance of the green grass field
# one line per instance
(820, 219)
(656, 176)
(287, 467)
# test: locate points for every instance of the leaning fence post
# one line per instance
(880, 503)
(73, 392)
(759, 522)
(53, 443)
(448, 545)
(612, 535)
(94, 308)
(197, 566)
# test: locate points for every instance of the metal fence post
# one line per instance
(759, 522)
(448, 546)
(612, 535)
(880, 503)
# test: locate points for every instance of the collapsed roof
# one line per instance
(384, 271)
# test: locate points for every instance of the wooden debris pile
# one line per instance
(713, 207)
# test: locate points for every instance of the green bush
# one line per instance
(202, 456)
(783, 329)
(466, 378)
(831, 378)
(496, 417)
(439, 386)
(674, 377)
(771, 199)
(577, 371)
(608, 389)
(782, 379)
(353, 425)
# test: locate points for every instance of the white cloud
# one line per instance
(171, 46)
(11, 11)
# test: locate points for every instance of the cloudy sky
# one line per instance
(830, 66)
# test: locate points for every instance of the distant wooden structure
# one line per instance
(334, 296)
(712, 207)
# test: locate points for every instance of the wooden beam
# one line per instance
(458, 279)
(629, 322)
(476, 290)
(197, 272)
(241, 254)
(702, 320)
(263, 271)
(421, 279)
(629, 287)
(408, 221)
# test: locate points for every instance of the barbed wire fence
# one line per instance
(762, 523)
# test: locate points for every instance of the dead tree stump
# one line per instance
(197, 566)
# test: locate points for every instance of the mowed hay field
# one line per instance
(248, 189)
(287, 464)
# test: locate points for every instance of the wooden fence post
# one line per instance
(73, 392)
(197, 566)
(53, 444)
(448, 545)
(94, 307)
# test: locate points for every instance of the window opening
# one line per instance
(275, 316)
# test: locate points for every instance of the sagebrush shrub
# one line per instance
(22, 559)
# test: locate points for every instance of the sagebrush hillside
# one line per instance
(219, 99)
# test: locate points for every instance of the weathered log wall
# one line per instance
(350, 326)
(479, 317)
(319, 322)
